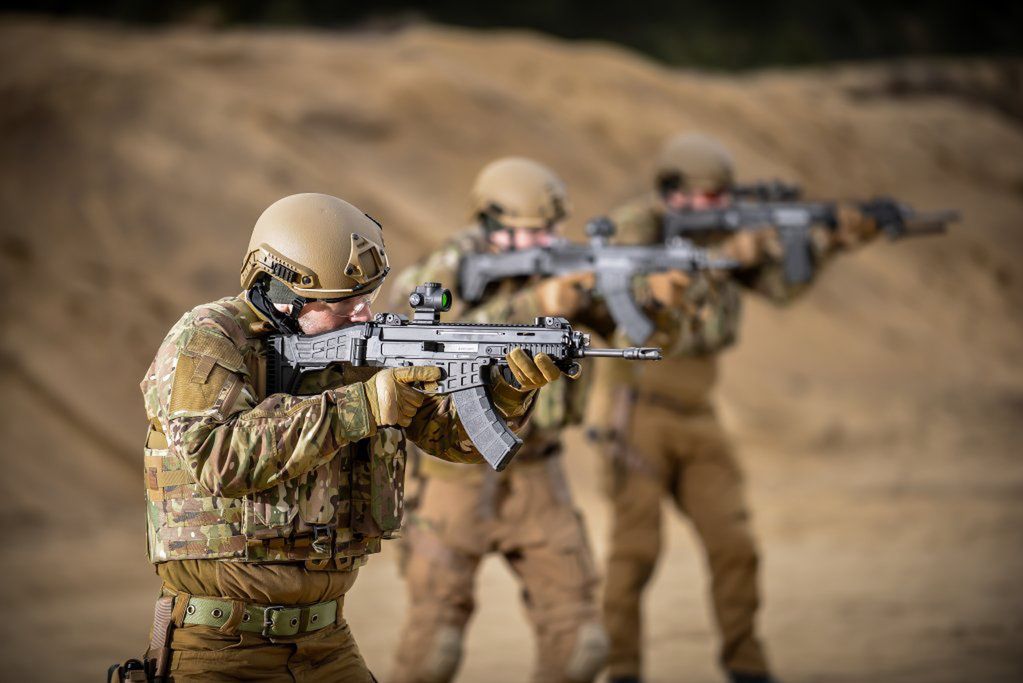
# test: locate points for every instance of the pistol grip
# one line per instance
(489, 433)
(616, 289)
(798, 256)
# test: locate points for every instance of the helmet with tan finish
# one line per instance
(318, 247)
(694, 162)
(516, 192)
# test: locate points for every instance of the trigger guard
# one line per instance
(509, 377)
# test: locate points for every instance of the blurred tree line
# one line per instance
(729, 35)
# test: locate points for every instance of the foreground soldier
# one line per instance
(665, 438)
(524, 513)
(262, 507)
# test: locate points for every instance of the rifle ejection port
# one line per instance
(454, 347)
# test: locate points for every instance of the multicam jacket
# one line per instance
(512, 301)
(235, 474)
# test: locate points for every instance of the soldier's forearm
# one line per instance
(243, 454)
(437, 430)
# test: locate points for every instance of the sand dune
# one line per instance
(879, 417)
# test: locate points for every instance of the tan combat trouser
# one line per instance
(687, 456)
(525, 514)
(202, 653)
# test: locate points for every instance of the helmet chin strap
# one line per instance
(285, 323)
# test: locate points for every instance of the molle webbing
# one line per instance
(188, 523)
(329, 518)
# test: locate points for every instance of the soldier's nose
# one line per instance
(364, 314)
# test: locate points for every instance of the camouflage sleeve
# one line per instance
(637, 222)
(232, 443)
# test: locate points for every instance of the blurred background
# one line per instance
(879, 417)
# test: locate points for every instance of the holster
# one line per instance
(132, 670)
(158, 658)
(155, 666)
(623, 402)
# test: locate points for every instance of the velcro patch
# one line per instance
(219, 349)
(196, 396)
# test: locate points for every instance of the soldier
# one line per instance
(464, 512)
(665, 438)
(261, 508)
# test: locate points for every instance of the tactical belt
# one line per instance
(266, 620)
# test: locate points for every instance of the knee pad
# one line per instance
(589, 654)
(444, 656)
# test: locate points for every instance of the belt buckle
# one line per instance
(268, 618)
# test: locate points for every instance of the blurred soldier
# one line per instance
(261, 508)
(464, 512)
(659, 427)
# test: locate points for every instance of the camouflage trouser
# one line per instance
(688, 457)
(527, 516)
(202, 653)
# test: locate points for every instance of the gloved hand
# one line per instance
(533, 373)
(857, 225)
(752, 247)
(529, 374)
(669, 288)
(565, 295)
(886, 212)
(392, 399)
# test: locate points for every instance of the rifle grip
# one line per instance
(797, 259)
(616, 289)
(489, 433)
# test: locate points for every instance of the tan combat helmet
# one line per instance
(316, 246)
(516, 192)
(694, 162)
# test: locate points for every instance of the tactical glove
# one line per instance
(529, 374)
(669, 288)
(564, 296)
(392, 399)
(856, 226)
(533, 373)
(753, 247)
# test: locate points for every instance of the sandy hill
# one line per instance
(880, 416)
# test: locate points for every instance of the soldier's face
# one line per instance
(318, 317)
(524, 238)
(680, 200)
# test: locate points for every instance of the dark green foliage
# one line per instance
(731, 35)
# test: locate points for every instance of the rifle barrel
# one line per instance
(628, 353)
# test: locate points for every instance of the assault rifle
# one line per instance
(768, 191)
(612, 265)
(466, 352)
(793, 221)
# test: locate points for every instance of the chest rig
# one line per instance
(335, 514)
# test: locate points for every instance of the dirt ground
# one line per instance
(879, 417)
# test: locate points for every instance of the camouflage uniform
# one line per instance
(672, 444)
(270, 499)
(525, 513)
